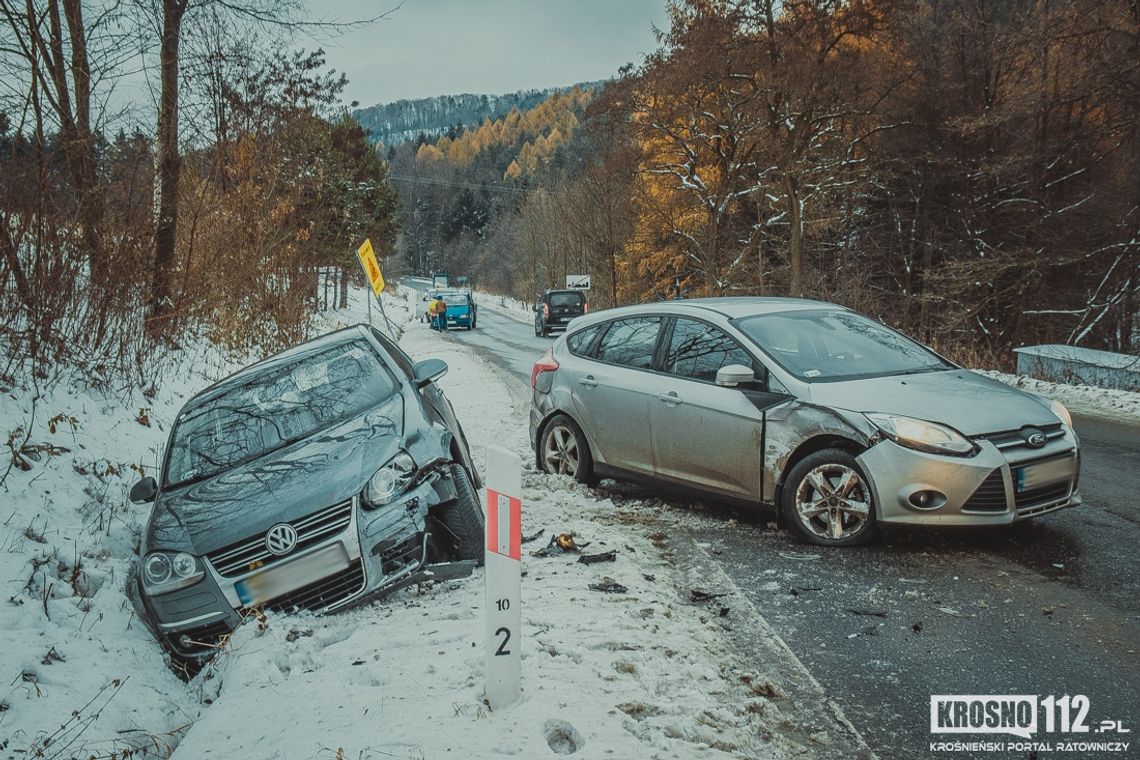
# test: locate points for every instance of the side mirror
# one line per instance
(144, 491)
(733, 375)
(429, 370)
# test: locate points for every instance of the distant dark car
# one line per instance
(556, 308)
(308, 481)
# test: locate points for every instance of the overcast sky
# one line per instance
(441, 47)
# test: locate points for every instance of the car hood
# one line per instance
(964, 400)
(319, 471)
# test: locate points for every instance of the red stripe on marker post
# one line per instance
(504, 524)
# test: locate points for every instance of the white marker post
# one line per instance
(503, 556)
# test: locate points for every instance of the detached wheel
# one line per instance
(462, 519)
(564, 450)
(828, 501)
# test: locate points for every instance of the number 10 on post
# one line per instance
(503, 555)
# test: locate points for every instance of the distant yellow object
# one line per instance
(371, 268)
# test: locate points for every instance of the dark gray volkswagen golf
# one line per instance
(308, 481)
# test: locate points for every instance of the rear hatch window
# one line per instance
(566, 302)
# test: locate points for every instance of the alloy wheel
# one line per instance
(560, 451)
(833, 501)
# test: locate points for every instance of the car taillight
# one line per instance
(546, 311)
(545, 364)
(585, 307)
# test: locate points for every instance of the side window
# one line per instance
(579, 342)
(630, 342)
(697, 351)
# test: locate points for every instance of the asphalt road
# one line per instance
(1049, 607)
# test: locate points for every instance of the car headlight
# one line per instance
(922, 435)
(163, 572)
(390, 480)
(1062, 413)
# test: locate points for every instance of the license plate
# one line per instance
(291, 575)
(1043, 473)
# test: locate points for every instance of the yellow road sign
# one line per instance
(371, 268)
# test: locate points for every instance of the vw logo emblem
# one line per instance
(1034, 437)
(281, 539)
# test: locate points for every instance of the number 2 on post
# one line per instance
(506, 634)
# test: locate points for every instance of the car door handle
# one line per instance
(588, 380)
(669, 398)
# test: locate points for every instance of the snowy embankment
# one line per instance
(80, 675)
(642, 673)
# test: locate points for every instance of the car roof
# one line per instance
(565, 290)
(320, 343)
(731, 307)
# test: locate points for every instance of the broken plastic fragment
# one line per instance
(589, 559)
(609, 586)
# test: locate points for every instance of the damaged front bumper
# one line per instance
(349, 554)
(989, 488)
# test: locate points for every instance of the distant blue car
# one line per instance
(461, 309)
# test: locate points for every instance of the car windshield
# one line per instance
(565, 299)
(455, 299)
(837, 345)
(274, 408)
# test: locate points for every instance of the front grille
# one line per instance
(989, 496)
(201, 640)
(237, 558)
(320, 595)
(1013, 439)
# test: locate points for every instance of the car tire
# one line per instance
(827, 500)
(537, 330)
(564, 450)
(462, 519)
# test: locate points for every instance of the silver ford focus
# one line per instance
(841, 422)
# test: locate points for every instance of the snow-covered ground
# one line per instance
(645, 673)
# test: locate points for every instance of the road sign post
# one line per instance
(503, 557)
(376, 279)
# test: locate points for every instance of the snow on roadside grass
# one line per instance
(637, 674)
(80, 674)
(1109, 403)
